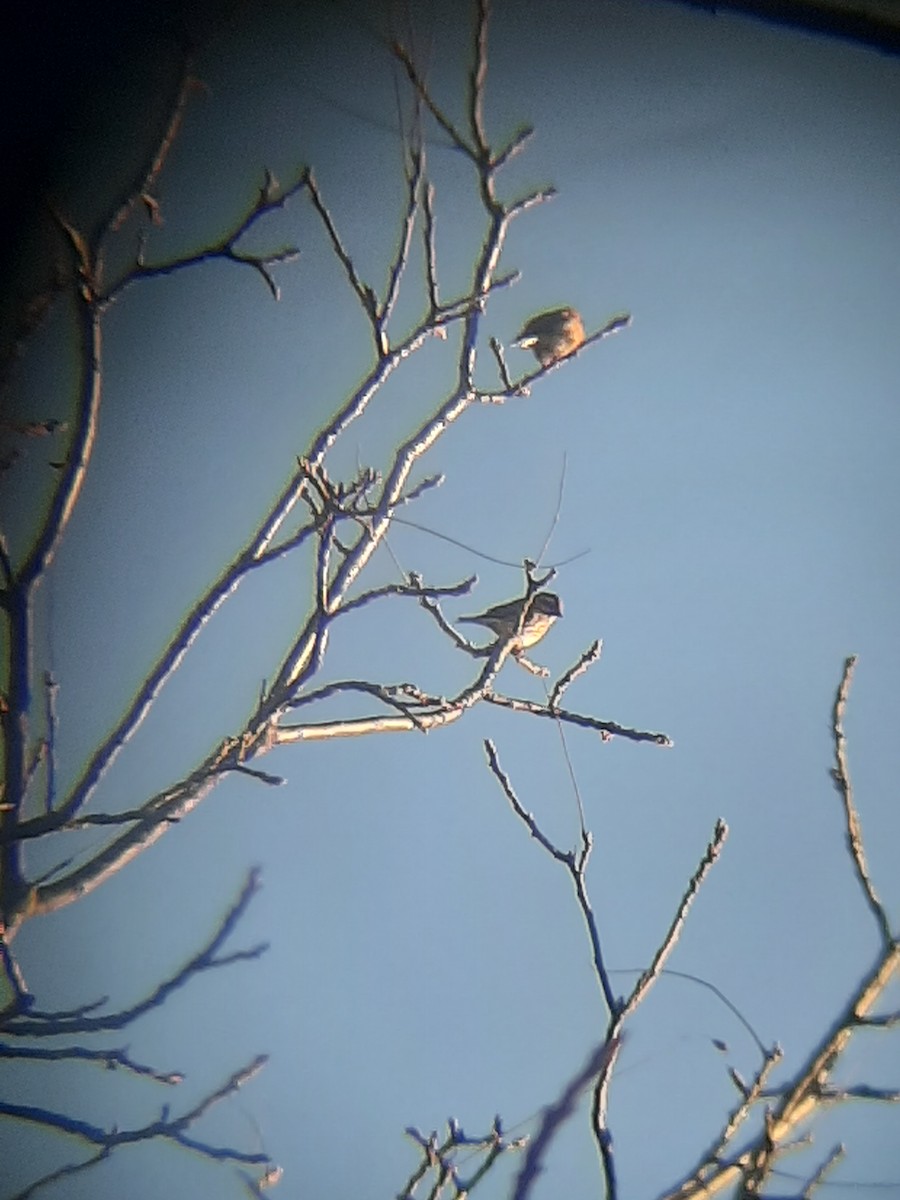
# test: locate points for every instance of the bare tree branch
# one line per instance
(810, 1089)
(142, 188)
(575, 864)
(110, 1059)
(267, 201)
(649, 977)
(601, 1060)
(37, 1024)
(173, 1128)
(440, 1158)
(606, 729)
(840, 774)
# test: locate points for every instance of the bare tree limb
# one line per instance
(110, 1059)
(37, 1024)
(601, 1060)
(267, 201)
(840, 774)
(171, 1128)
(810, 1089)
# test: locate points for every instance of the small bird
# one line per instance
(552, 334)
(526, 621)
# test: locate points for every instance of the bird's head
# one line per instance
(547, 604)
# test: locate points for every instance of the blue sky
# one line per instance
(730, 467)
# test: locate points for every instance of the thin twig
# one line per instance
(818, 1178)
(205, 959)
(649, 977)
(110, 1059)
(402, 55)
(477, 78)
(840, 774)
(575, 864)
(267, 201)
(142, 188)
(430, 246)
(585, 661)
(606, 729)
(171, 1128)
(401, 258)
(364, 292)
(51, 690)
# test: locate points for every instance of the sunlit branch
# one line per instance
(440, 1157)
(286, 735)
(164, 668)
(576, 865)
(509, 388)
(419, 489)
(584, 663)
(401, 258)
(168, 662)
(19, 597)
(600, 1099)
(817, 1179)
(391, 695)
(810, 1089)
(304, 658)
(606, 729)
(518, 142)
(840, 773)
(21, 999)
(430, 248)
(141, 188)
(749, 1096)
(649, 977)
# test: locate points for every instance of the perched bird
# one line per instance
(525, 621)
(552, 334)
